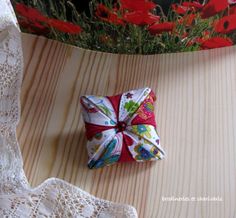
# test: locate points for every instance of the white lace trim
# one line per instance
(54, 197)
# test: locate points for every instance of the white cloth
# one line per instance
(54, 197)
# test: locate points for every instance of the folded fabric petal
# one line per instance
(121, 128)
(99, 111)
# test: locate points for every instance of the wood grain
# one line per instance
(196, 105)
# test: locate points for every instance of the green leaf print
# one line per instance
(131, 106)
(105, 110)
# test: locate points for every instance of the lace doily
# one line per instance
(54, 197)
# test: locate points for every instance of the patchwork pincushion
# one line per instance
(121, 128)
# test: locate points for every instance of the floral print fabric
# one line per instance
(132, 26)
(121, 128)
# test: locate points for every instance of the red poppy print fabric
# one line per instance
(121, 128)
(132, 26)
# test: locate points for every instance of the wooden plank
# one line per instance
(196, 119)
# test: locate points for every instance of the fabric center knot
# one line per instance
(121, 126)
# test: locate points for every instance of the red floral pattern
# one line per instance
(213, 7)
(216, 42)
(141, 18)
(137, 5)
(65, 27)
(179, 9)
(226, 24)
(161, 27)
(184, 26)
(105, 14)
(194, 4)
(31, 14)
(33, 19)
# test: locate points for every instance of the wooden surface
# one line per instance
(196, 115)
